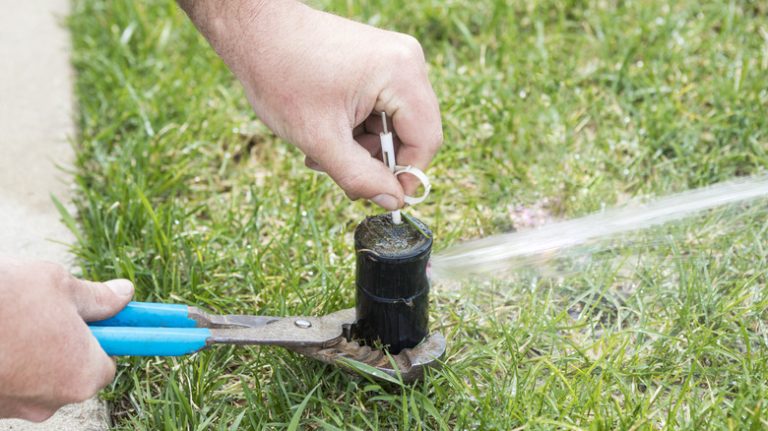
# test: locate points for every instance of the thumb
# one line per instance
(97, 301)
(357, 173)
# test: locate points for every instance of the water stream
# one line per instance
(530, 248)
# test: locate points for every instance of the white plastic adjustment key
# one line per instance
(388, 153)
(387, 145)
(418, 173)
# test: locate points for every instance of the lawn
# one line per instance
(573, 105)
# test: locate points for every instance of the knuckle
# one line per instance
(349, 184)
(437, 139)
(61, 278)
(413, 46)
(81, 376)
(311, 164)
(110, 369)
(83, 393)
(79, 390)
(408, 49)
(39, 414)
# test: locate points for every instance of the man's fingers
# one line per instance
(374, 125)
(83, 367)
(95, 370)
(419, 128)
(97, 301)
(311, 164)
(28, 411)
(357, 173)
(417, 148)
(413, 107)
(103, 369)
(371, 143)
(418, 125)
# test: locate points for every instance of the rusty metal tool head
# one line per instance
(408, 365)
(152, 329)
(326, 339)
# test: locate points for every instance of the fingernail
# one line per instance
(121, 287)
(388, 202)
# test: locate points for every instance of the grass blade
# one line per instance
(294, 424)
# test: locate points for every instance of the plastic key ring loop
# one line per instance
(416, 172)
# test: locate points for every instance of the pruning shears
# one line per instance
(159, 329)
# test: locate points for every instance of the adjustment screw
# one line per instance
(303, 324)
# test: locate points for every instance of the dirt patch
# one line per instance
(384, 238)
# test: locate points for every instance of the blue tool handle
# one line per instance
(126, 341)
(150, 314)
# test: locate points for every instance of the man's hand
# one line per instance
(48, 357)
(318, 81)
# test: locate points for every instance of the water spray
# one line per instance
(531, 248)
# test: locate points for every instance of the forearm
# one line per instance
(238, 30)
(260, 43)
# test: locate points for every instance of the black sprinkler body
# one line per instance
(392, 282)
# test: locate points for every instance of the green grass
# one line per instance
(583, 103)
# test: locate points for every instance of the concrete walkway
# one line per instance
(36, 121)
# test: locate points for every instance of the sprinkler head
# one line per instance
(388, 330)
(392, 282)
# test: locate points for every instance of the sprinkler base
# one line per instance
(392, 282)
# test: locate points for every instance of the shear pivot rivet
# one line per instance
(304, 324)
